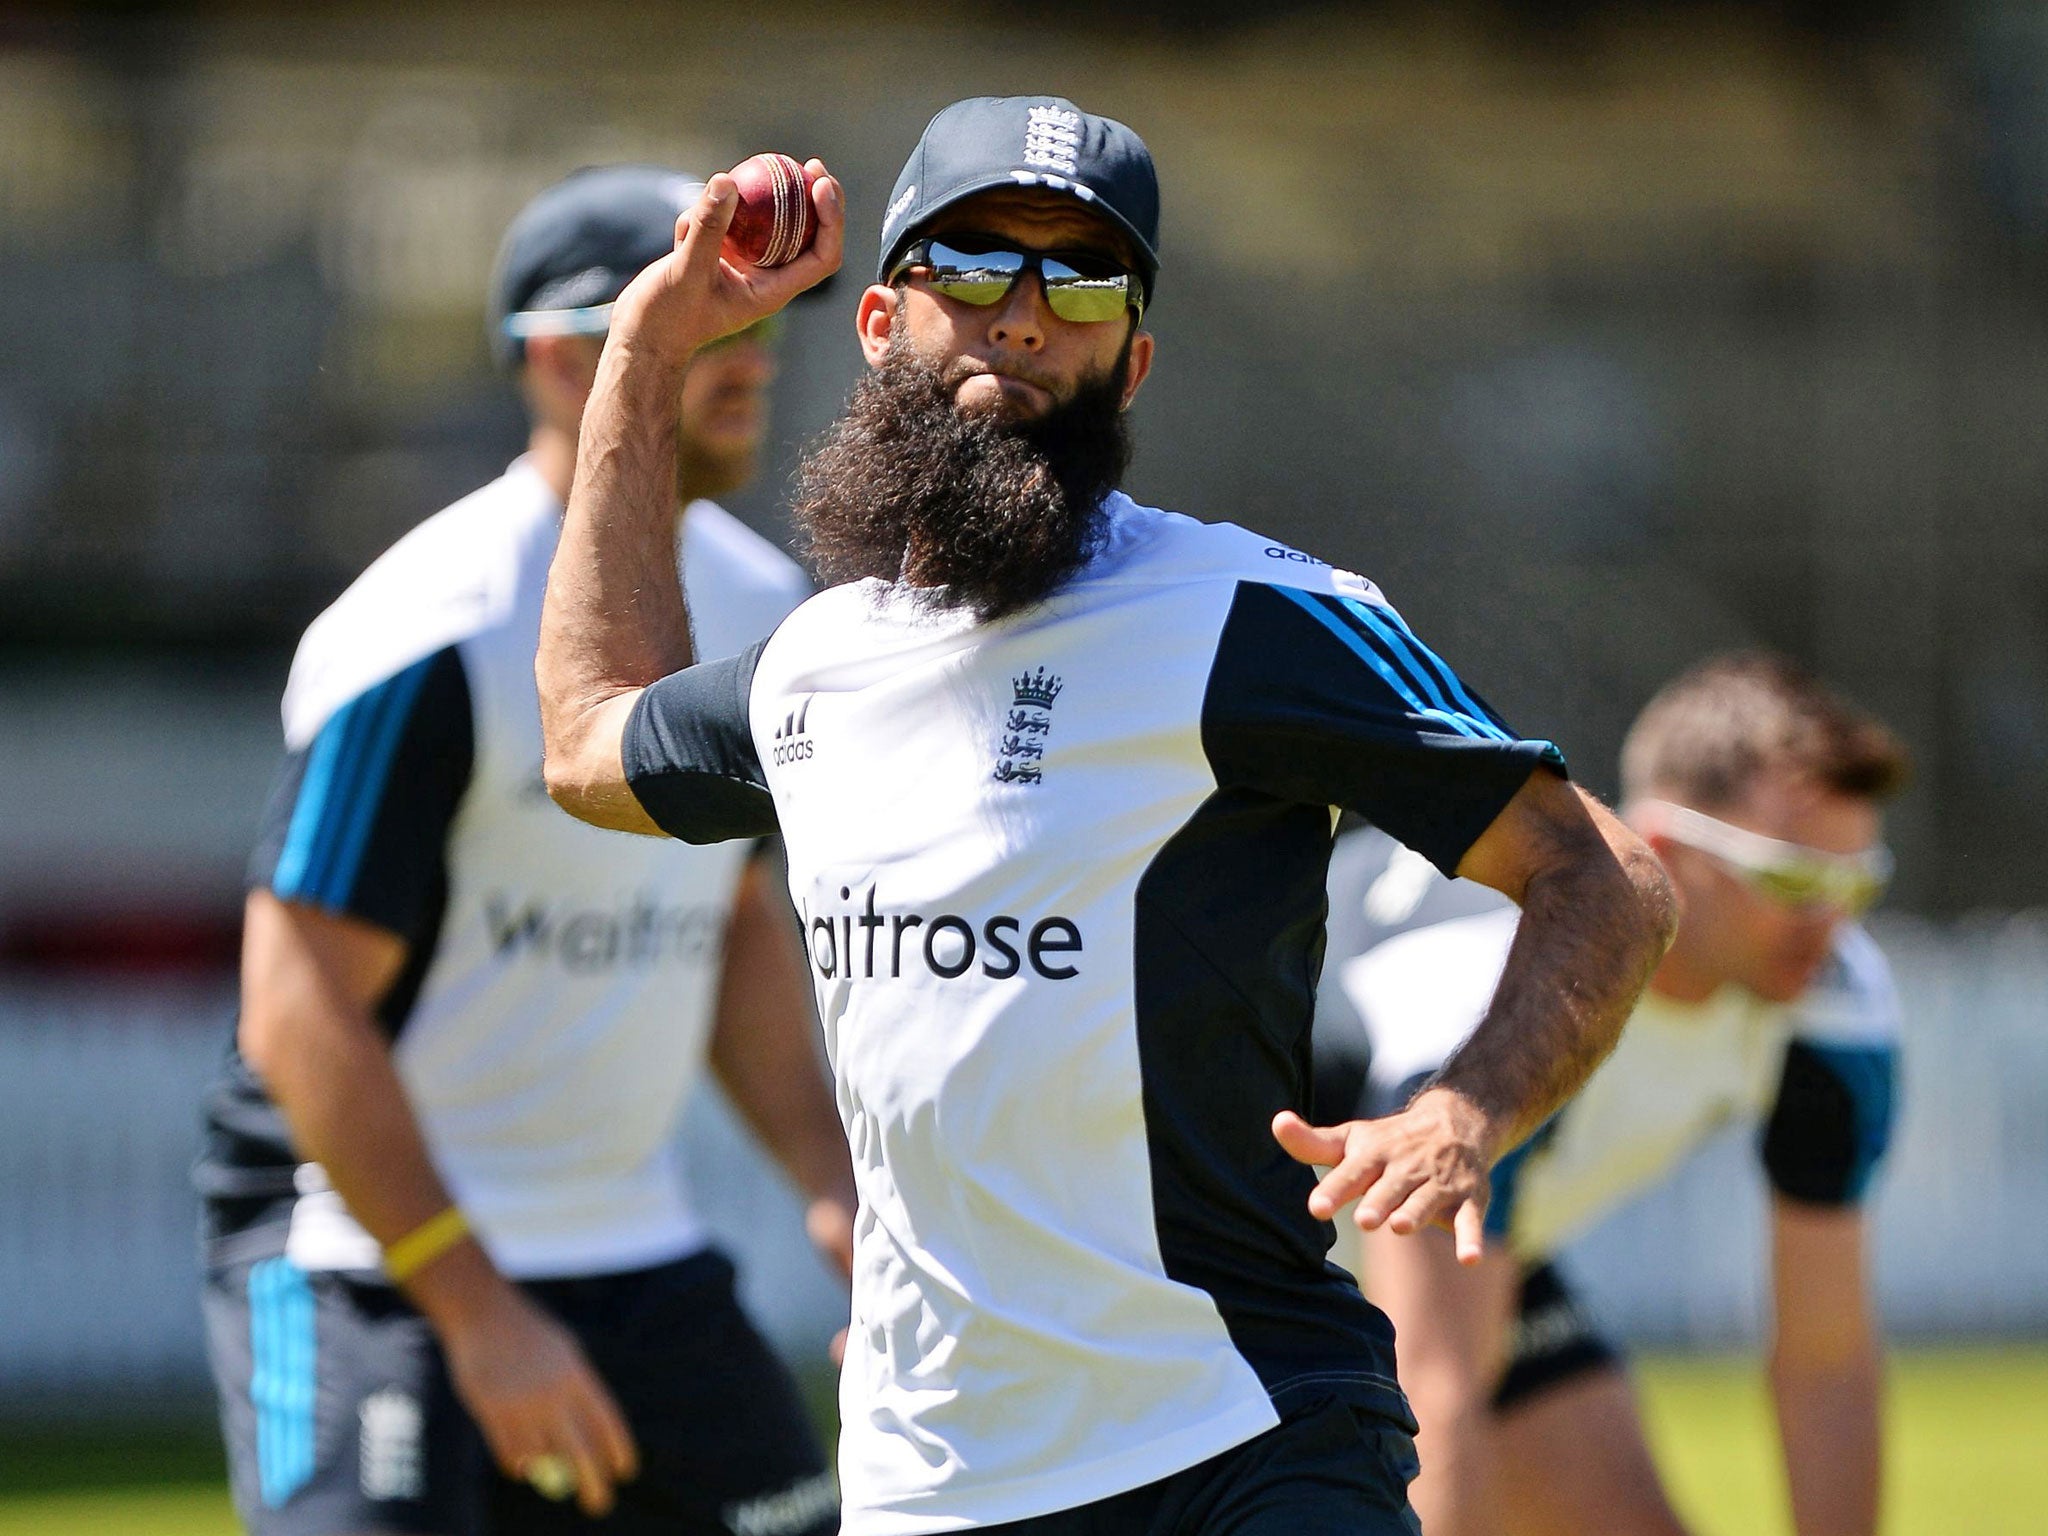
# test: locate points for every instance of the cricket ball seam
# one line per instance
(788, 219)
(776, 214)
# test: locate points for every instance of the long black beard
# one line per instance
(977, 510)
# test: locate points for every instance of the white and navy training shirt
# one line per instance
(556, 1006)
(1816, 1075)
(1061, 878)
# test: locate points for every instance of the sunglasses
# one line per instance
(1079, 286)
(1789, 874)
(596, 320)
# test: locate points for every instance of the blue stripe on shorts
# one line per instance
(281, 1381)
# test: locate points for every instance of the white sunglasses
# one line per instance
(1790, 874)
(596, 320)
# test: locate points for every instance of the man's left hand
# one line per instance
(1427, 1164)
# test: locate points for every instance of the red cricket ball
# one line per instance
(775, 220)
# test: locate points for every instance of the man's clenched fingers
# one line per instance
(828, 198)
(778, 285)
(1403, 1172)
(1341, 1185)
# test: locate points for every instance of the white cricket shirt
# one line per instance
(556, 1011)
(1062, 881)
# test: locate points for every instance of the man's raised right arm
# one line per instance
(614, 620)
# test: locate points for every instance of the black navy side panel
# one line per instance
(689, 753)
(1228, 946)
(1832, 1121)
(1324, 700)
(357, 823)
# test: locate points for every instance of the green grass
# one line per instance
(1968, 1456)
(177, 1510)
(137, 1480)
(1967, 1451)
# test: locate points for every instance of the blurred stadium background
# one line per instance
(1602, 335)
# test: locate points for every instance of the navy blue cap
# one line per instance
(572, 250)
(1027, 141)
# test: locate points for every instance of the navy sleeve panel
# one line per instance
(1832, 1122)
(1323, 700)
(357, 822)
(689, 753)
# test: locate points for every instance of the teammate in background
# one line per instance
(1056, 775)
(442, 1196)
(1761, 792)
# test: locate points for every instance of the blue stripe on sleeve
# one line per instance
(381, 747)
(354, 789)
(345, 791)
(344, 783)
(1404, 645)
(303, 835)
(1382, 640)
(1443, 669)
(1373, 659)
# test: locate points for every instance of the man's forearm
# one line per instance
(1597, 916)
(348, 1112)
(614, 619)
(615, 573)
(1826, 1366)
(308, 1033)
(1830, 1423)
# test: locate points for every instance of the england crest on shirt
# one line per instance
(1020, 755)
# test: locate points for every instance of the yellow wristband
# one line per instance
(424, 1244)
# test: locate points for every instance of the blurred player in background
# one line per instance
(441, 1177)
(1762, 794)
(1055, 771)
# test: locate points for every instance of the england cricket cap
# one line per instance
(572, 250)
(987, 142)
